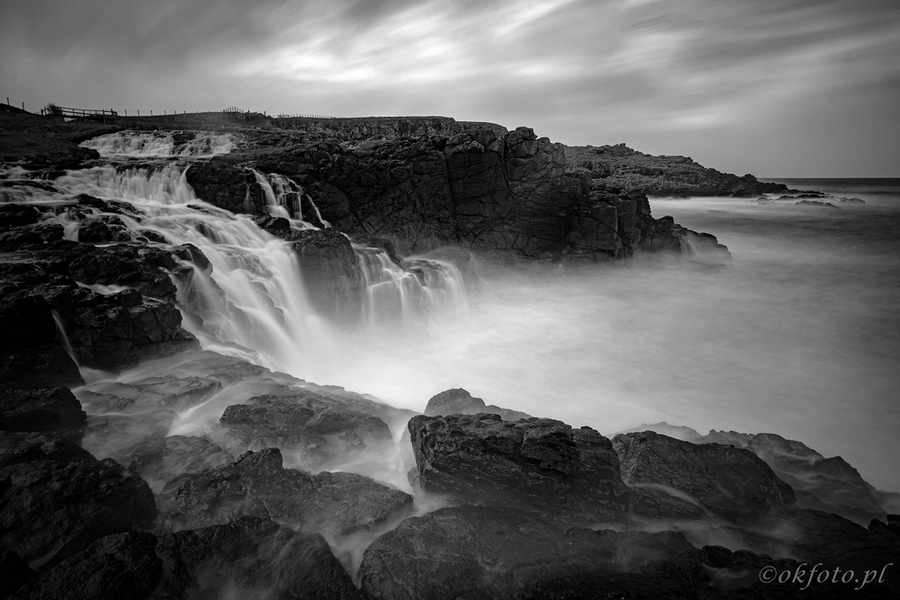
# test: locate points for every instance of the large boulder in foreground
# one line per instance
(540, 465)
(460, 402)
(732, 482)
(55, 498)
(483, 552)
(248, 558)
(257, 485)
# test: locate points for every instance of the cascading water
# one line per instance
(160, 144)
(284, 198)
(253, 303)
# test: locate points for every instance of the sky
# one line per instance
(777, 88)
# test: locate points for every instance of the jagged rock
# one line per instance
(56, 498)
(49, 409)
(481, 552)
(319, 429)
(161, 460)
(257, 485)
(330, 270)
(815, 203)
(16, 215)
(540, 465)
(730, 481)
(248, 558)
(460, 402)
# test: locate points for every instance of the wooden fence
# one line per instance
(80, 113)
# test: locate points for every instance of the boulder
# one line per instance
(331, 272)
(319, 430)
(460, 402)
(539, 465)
(334, 504)
(56, 498)
(732, 482)
(44, 409)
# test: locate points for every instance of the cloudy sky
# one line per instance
(803, 88)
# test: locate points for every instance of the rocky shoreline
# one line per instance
(299, 490)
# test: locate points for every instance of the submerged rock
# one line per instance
(540, 465)
(161, 460)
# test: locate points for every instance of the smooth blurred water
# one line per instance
(800, 338)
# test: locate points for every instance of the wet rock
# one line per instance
(42, 366)
(330, 271)
(161, 460)
(460, 402)
(248, 558)
(482, 552)
(49, 409)
(321, 430)
(258, 485)
(536, 464)
(16, 215)
(732, 482)
(56, 498)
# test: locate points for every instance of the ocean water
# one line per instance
(800, 337)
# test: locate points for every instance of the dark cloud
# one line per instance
(576, 70)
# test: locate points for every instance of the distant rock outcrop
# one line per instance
(622, 167)
(460, 402)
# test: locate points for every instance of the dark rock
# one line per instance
(321, 430)
(16, 215)
(251, 558)
(119, 566)
(49, 409)
(38, 367)
(480, 552)
(815, 203)
(26, 321)
(56, 498)
(16, 572)
(257, 485)
(730, 481)
(248, 558)
(161, 460)
(330, 271)
(540, 465)
(460, 402)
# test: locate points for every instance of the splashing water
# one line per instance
(160, 144)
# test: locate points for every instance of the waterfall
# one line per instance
(253, 301)
(160, 144)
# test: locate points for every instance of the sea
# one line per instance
(799, 337)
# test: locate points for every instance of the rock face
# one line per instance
(732, 482)
(481, 187)
(56, 498)
(460, 402)
(318, 429)
(248, 558)
(540, 465)
(257, 485)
